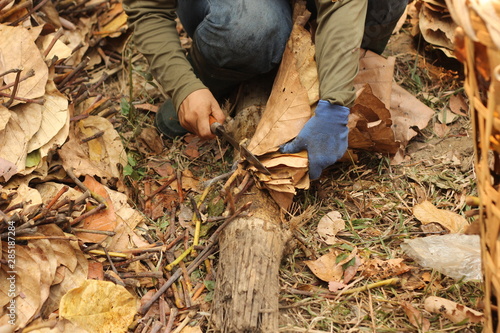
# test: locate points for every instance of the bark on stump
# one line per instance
(247, 287)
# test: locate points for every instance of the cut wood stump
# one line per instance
(247, 287)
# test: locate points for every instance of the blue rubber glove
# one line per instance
(324, 136)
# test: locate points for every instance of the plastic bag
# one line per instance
(455, 255)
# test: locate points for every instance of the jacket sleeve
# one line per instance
(156, 37)
(338, 38)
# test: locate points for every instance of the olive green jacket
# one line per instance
(338, 36)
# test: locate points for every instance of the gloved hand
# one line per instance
(324, 136)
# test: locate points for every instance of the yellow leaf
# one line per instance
(99, 306)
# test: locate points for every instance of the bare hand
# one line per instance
(195, 111)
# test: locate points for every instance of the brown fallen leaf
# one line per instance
(426, 213)
(437, 27)
(127, 219)
(407, 112)
(100, 156)
(327, 267)
(22, 285)
(23, 53)
(382, 269)
(105, 220)
(353, 267)
(378, 72)
(458, 105)
(441, 130)
(295, 89)
(373, 124)
(416, 317)
(329, 225)
(453, 311)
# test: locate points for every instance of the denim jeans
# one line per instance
(248, 37)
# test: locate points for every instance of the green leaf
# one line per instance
(209, 284)
(33, 158)
(128, 170)
(125, 106)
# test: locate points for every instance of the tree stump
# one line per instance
(247, 286)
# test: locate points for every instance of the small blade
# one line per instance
(220, 131)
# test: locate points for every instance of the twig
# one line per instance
(162, 187)
(112, 265)
(112, 254)
(157, 326)
(34, 9)
(84, 188)
(179, 186)
(186, 321)
(244, 190)
(196, 262)
(47, 237)
(10, 71)
(58, 35)
(45, 210)
(14, 90)
(97, 232)
(94, 211)
(27, 100)
(197, 216)
(30, 73)
(144, 249)
(175, 241)
(212, 181)
(370, 286)
(14, 9)
(4, 3)
(93, 137)
(133, 275)
(70, 75)
(171, 319)
(131, 260)
(174, 263)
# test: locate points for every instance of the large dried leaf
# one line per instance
(127, 218)
(328, 267)
(24, 288)
(329, 225)
(295, 89)
(68, 278)
(373, 125)
(438, 28)
(99, 306)
(14, 146)
(55, 116)
(4, 117)
(24, 54)
(7, 170)
(97, 157)
(59, 49)
(378, 72)
(426, 213)
(407, 112)
(453, 311)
